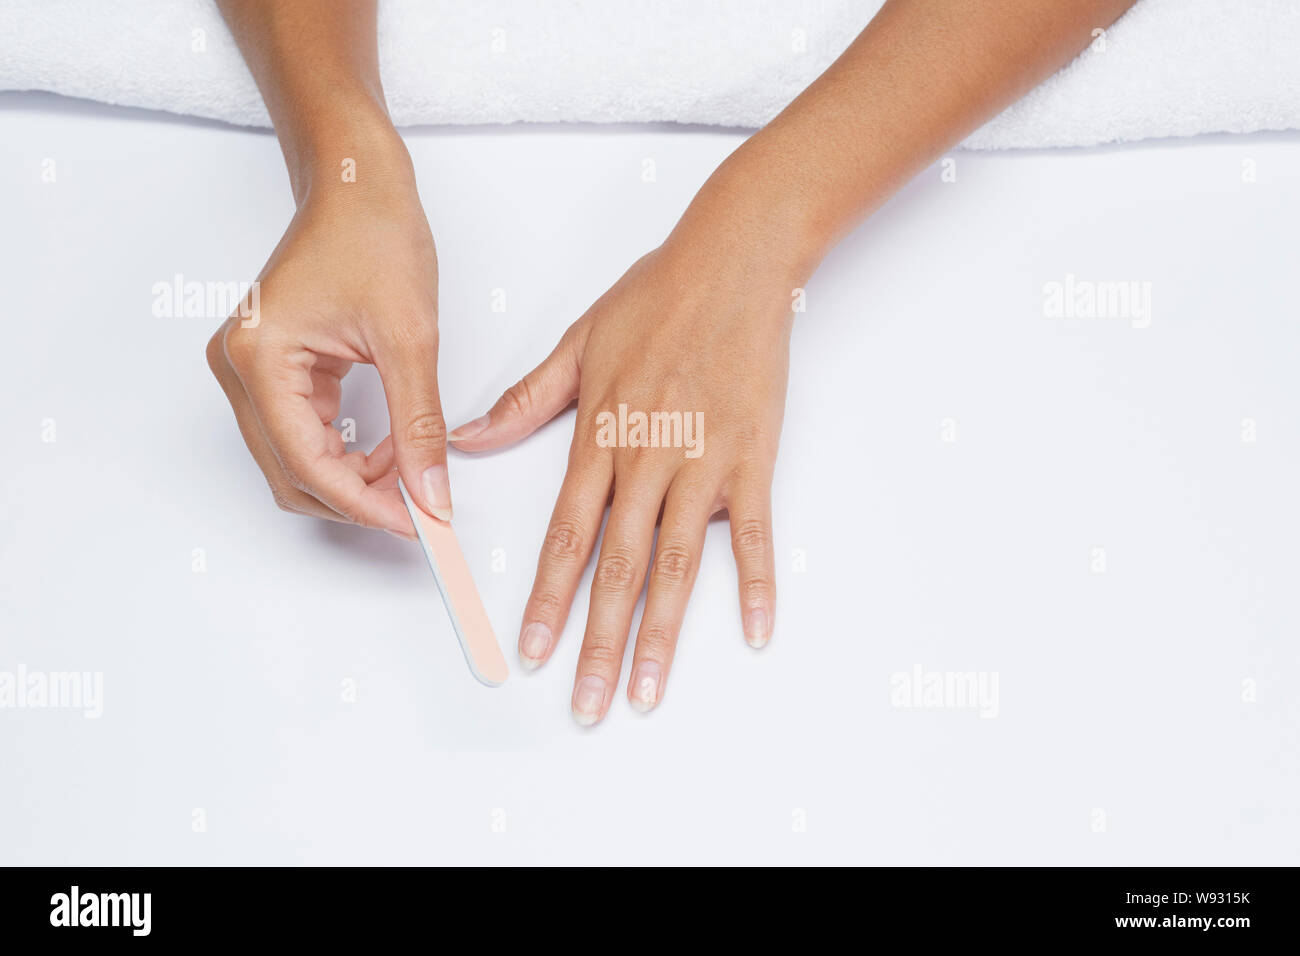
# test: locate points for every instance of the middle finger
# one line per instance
(615, 587)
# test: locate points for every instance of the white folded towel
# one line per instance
(1168, 68)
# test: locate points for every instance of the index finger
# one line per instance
(281, 397)
(570, 539)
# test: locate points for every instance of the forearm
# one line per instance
(316, 64)
(920, 77)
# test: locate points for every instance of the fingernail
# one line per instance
(645, 686)
(470, 429)
(588, 699)
(534, 644)
(437, 492)
(399, 536)
(756, 632)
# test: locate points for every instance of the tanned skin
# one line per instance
(700, 324)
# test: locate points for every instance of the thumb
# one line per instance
(527, 405)
(410, 378)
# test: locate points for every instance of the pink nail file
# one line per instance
(468, 618)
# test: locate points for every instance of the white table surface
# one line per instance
(1124, 732)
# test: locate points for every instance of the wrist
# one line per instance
(353, 152)
(756, 214)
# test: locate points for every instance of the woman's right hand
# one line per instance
(354, 279)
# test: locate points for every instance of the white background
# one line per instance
(1119, 692)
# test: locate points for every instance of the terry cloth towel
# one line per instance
(1167, 68)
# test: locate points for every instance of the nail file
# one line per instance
(468, 618)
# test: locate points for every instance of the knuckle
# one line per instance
(215, 353)
(518, 398)
(240, 347)
(544, 605)
(672, 564)
(750, 537)
(585, 454)
(426, 427)
(293, 470)
(284, 498)
(755, 589)
(635, 461)
(348, 512)
(601, 653)
(615, 572)
(564, 541)
(655, 641)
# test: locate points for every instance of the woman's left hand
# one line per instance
(695, 338)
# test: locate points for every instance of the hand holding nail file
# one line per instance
(456, 584)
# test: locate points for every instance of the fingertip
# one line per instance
(436, 486)
(589, 700)
(645, 688)
(470, 429)
(758, 628)
(534, 645)
(498, 431)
